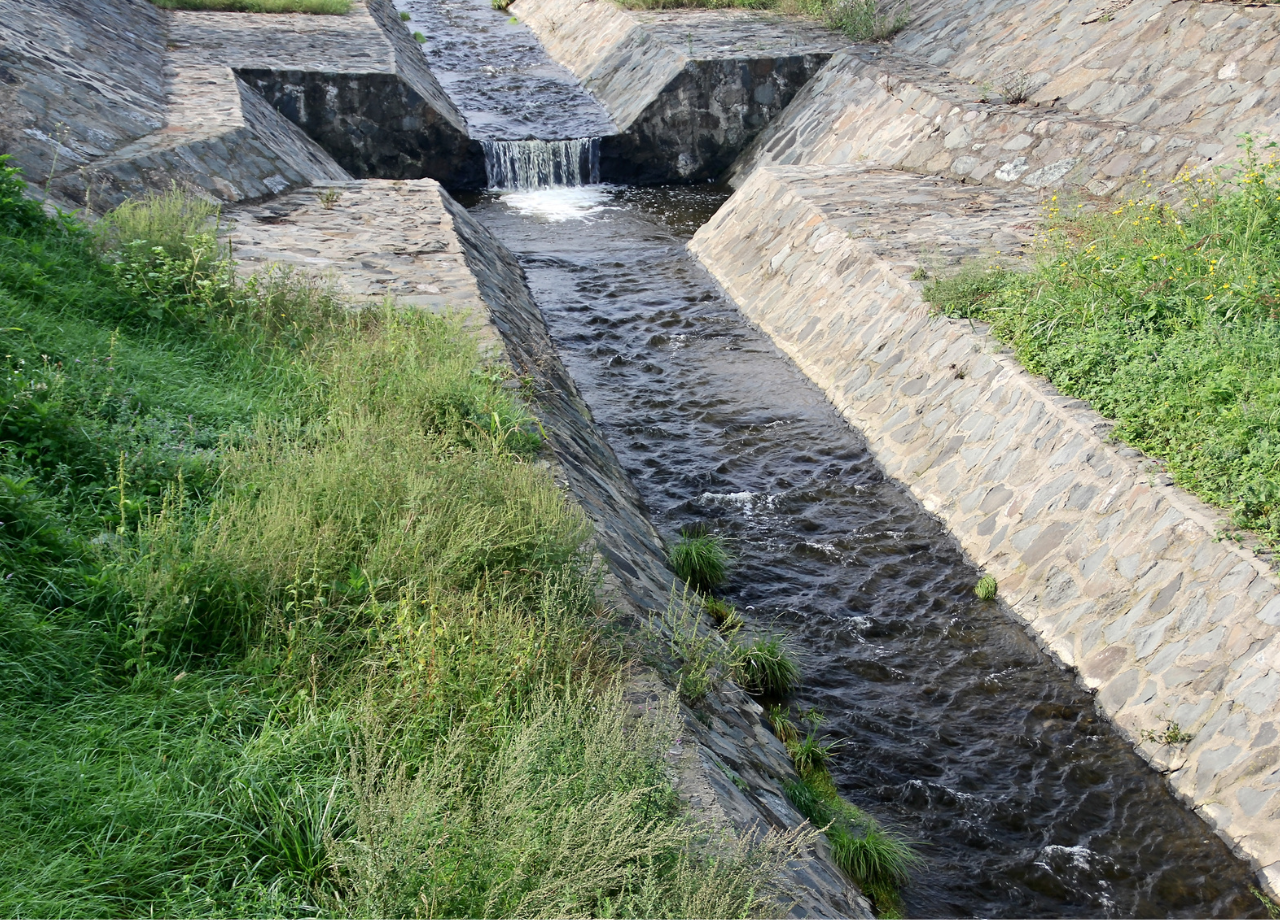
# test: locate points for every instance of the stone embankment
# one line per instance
(233, 106)
(411, 241)
(868, 176)
(687, 91)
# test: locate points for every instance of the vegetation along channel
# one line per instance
(947, 722)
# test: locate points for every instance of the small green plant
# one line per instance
(765, 666)
(1016, 87)
(701, 559)
(329, 198)
(419, 38)
(920, 274)
(1171, 734)
(723, 614)
(500, 4)
(783, 727)
(1271, 907)
(700, 655)
(405, 17)
(986, 588)
(865, 21)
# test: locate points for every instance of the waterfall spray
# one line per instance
(526, 165)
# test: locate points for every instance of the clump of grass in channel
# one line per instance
(319, 7)
(724, 614)
(1166, 318)
(701, 559)
(880, 861)
(765, 666)
(240, 545)
(986, 588)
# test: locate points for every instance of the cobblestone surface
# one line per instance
(1119, 574)
(411, 241)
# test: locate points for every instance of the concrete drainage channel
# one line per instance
(1025, 798)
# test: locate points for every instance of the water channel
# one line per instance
(956, 729)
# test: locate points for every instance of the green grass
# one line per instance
(765, 666)
(860, 20)
(701, 559)
(986, 588)
(325, 7)
(289, 622)
(1167, 320)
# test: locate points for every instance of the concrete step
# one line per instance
(1116, 572)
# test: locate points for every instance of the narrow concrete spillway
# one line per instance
(956, 729)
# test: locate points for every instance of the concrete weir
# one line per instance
(687, 91)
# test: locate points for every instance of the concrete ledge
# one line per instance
(687, 90)
(1117, 573)
(411, 241)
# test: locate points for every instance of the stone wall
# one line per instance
(1119, 574)
(411, 241)
(1119, 94)
(687, 91)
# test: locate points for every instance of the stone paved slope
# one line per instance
(123, 97)
(687, 90)
(1119, 574)
(411, 241)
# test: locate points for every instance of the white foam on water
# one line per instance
(748, 502)
(559, 204)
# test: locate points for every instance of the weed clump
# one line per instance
(1166, 318)
(986, 588)
(701, 559)
(765, 666)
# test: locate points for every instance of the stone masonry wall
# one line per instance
(687, 92)
(411, 241)
(1119, 574)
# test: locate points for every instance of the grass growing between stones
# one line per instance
(880, 861)
(701, 559)
(289, 622)
(321, 7)
(861, 20)
(1167, 320)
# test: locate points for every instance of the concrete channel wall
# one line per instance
(1119, 574)
(411, 241)
(687, 91)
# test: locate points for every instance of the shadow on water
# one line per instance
(957, 729)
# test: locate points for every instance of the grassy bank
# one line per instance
(322, 7)
(1167, 320)
(861, 20)
(289, 622)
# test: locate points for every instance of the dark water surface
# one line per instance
(956, 728)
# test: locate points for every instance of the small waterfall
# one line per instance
(525, 165)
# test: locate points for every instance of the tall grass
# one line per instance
(860, 20)
(701, 559)
(323, 7)
(1166, 319)
(288, 620)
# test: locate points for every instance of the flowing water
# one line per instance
(955, 728)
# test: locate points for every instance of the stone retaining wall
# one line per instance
(1118, 574)
(411, 241)
(687, 91)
